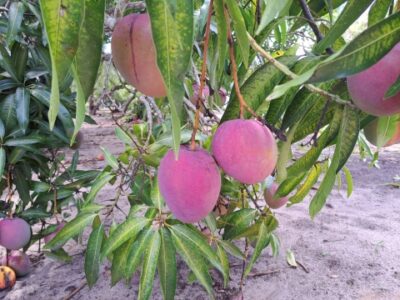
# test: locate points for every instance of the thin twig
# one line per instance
(200, 98)
(264, 273)
(284, 69)
(76, 291)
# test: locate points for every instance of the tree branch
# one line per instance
(284, 69)
(311, 22)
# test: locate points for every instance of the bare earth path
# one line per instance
(351, 250)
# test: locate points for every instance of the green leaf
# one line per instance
(111, 160)
(197, 241)
(125, 231)
(256, 88)
(394, 89)
(343, 144)
(28, 140)
(352, 11)
(98, 184)
(88, 56)
(2, 130)
(362, 52)
(120, 260)
(240, 30)
(34, 214)
(2, 161)
(156, 196)
(22, 101)
(72, 229)
(305, 188)
(172, 28)
(167, 265)
(222, 45)
(237, 222)
(92, 256)
(278, 107)
(378, 11)
(273, 10)
(19, 56)
(194, 260)
(59, 255)
(223, 257)
(15, 16)
(231, 249)
(287, 186)
(348, 135)
(290, 258)
(349, 181)
(263, 240)
(7, 64)
(136, 252)
(22, 185)
(43, 96)
(304, 163)
(123, 136)
(7, 112)
(150, 258)
(62, 19)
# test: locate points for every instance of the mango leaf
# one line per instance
(62, 20)
(7, 112)
(172, 28)
(125, 231)
(279, 106)
(223, 257)
(362, 52)
(7, 64)
(167, 265)
(394, 89)
(88, 56)
(231, 248)
(43, 96)
(72, 229)
(343, 145)
(273, 10)
(22, 185)
(307, 185)
(120, 260)
(287, 186)
(237, 222)
(352, 11)
(304, 163)
(2, 130)
(22, 101)
(194, 260)
(222, 45)
(135, 253)
(19, 56)
(98, 184)
(15, 16)
(385, 129)
(111, 160)
(2, 161)
(263, 240)
(150, 258)
(256, 88)
(349, 181)
(197, 241)
(240, 30)
(348, 136)
(378, 11)
(92, 256)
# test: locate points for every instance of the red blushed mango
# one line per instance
(368, 88)
(15, 233)
(371, 133)
(134, 54)
(245, 150)
(19, 262)
(189, 185)
(7, 278)
(269, 197)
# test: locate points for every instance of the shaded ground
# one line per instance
(351, 250)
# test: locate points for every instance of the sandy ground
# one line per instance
(350, 251)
